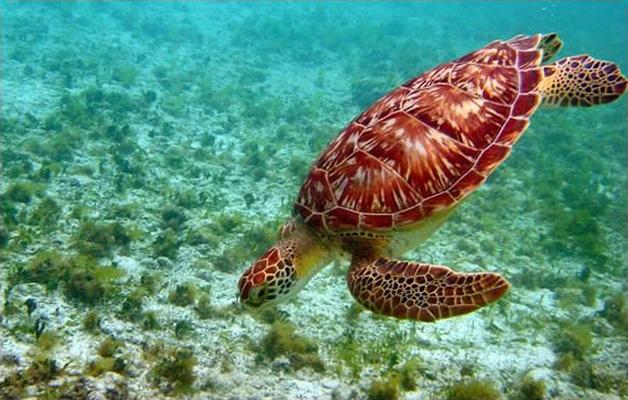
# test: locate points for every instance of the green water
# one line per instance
(150, 152)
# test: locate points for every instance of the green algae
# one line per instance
(167, 244)
(100, 366)
(126, 74)
(473, 390)
(396, 380)
(176, 366)
(91, 322)
(592, 375)
(47, 341)
(108, 347)
(409, 372)
(46, 213)
(21, 192)
(173, 218)
(616, 312)
(183, 329)
(282, 340)
(84, 280)
(46, 267)
(183, 295)
(149, 321)
(532, 389)
(150, 282)
(575, 339)
(90, 284)
(100, 240)
(384, 389)
(131, 308)
(204, 308)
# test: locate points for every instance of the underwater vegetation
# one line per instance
(99, 240)
(107, 359)
(176, 369)
(532, 389)
(473, 390)
(396, 380)
(82, 278)
(183, 295)
(384, 389)
(282, 340)
(575, 340)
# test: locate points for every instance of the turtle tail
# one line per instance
(581, 81)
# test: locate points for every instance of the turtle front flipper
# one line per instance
(581, 81)
(423, 292)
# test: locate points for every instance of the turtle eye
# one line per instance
(260, 295)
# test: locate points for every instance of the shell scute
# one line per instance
(526, 104)
(466, 184)
(423, 156)
(528, 58)
(316, 191)
(409, 215)
(392, 102)
(466, 118)
(490, 158)
(317, 221)
(340, 148)
(492, 82)
(440, 74)
(521, 42)
(530, 79)
(365, 184)
(512, 131)
(438, 202)
(377, 221)
(341, 217)
(496, 53)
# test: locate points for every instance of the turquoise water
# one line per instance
(150, 153)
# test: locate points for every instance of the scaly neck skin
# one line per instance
(311, 254)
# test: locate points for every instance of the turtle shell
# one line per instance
(426, 145)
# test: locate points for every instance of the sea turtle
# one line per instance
(399, 169)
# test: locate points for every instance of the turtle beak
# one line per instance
(254, 299)
(257, 297)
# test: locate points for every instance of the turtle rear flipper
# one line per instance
(551, 44)
(581, 81)
(421, 292)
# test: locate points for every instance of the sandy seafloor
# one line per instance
(225, 107)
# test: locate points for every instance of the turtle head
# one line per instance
(271, 279)
(284, 269)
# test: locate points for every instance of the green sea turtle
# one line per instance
(398, 170)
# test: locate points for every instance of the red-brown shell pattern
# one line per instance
(427, 144)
